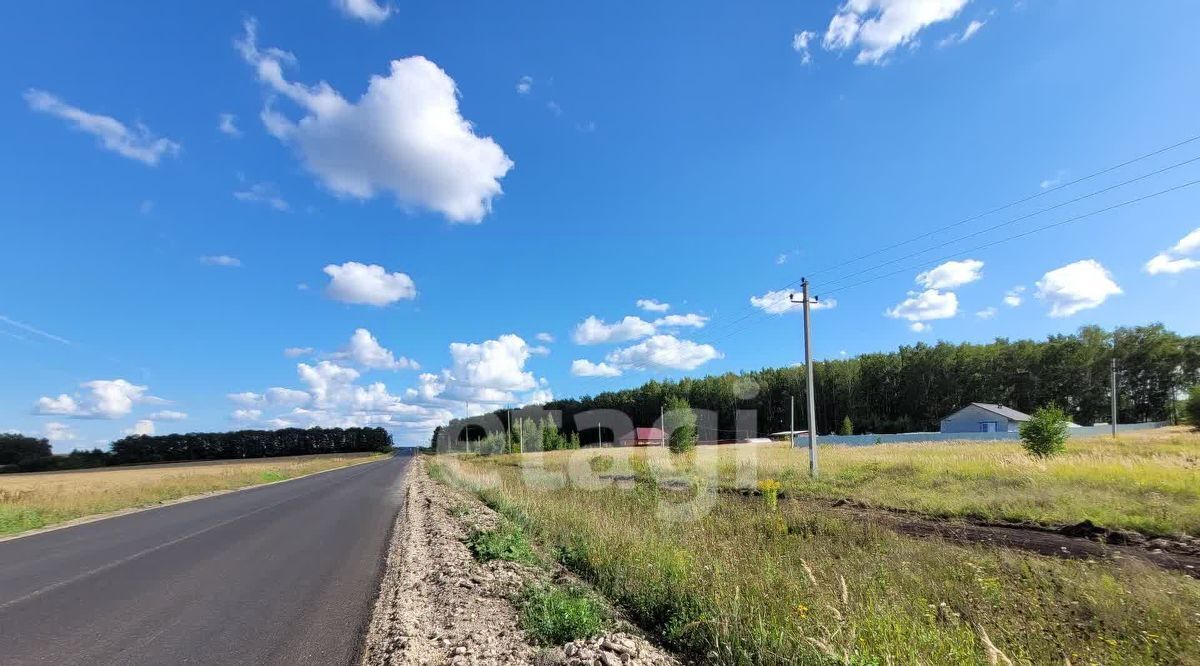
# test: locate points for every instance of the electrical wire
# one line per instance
(985, 246)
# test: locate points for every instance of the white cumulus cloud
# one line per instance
(58, 432)
(1076, 287)
(246, 415)
(137, 143)
(494, 364)
(1012, 297)
(168, 415)
(364, 350)
(951, 274)
(662, 352)
(780, 302)
(279, 396)
(800, 42)
(246, 398)
(524, 85)
(584, 368)
(593, 331)
(652, 305)
(368, 11)
(141, 427)
(986, 313)
(327, 382)
(1177, 259)
(357, 283)
(101, 399)
(960, 37)
(405, 135)
(877, 27)
(925, 306)
(677, 320)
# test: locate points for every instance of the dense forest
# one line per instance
(27, 454)
(911, 389)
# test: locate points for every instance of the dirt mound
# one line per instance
(617, 649)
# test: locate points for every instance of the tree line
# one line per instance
(19, 453)
(914, 387)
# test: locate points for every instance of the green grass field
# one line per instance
(728, 580)
(1149, 482)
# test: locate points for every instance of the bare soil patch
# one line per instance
(1082, 541)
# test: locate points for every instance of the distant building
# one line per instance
(784, 435)
(984, 417)
(643, 437)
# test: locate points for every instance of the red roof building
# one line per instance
(643, 437)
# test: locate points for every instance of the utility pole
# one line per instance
(467, 427)
(662, 423)
(508, 433)
(792, 427)
(808, 368)
(1113, 390)
(599, 437)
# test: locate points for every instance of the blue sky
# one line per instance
(183, 199)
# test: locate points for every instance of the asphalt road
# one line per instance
(281, 574)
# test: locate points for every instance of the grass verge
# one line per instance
(738, 583)
(506, 542)
(550, 614)
(32, 501)
(554, 615)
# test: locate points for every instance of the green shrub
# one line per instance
(847, 427)
(681, 423)
(506, 542)
(1192, 408)
(1045, 433)
(555, 615)
(600, 464)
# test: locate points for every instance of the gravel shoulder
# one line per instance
(438, 605)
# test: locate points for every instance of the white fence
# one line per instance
(864, 440)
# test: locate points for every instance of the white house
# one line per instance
(984, 417)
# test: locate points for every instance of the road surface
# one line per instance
(281, 574)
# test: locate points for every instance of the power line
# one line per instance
(1022, 234)
(1022, 217)
(1013, 203)
(981, 247)
(753, 311)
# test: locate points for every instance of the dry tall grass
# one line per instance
(741, 583)
(1147, 481)
(30, 501)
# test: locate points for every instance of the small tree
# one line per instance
(681, 424)
(1045, 433)
(847, 426)
(1192, 408)
(552, 439)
